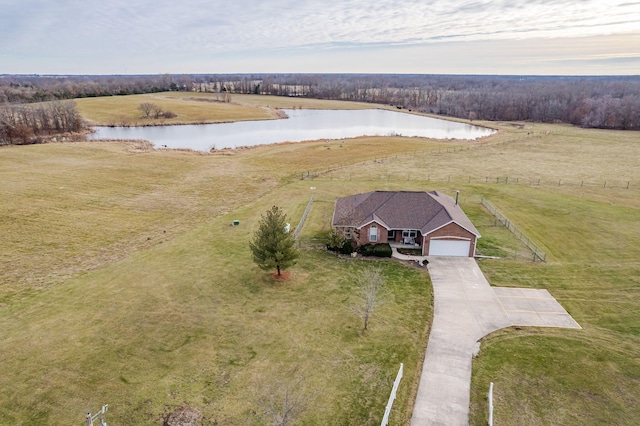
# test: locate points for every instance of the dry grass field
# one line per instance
(538, 154)
(102, 201)
(123, 281)
(195, 108)
(124, 110)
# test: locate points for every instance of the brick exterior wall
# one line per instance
(364, 234)
(451, 230)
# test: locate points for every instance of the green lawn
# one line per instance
(555, 376)
(188, 319)
(123, 281)
(589, 231)
(193, 321)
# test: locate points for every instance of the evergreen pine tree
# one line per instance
(272, 246)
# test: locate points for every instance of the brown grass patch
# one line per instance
(284, 276)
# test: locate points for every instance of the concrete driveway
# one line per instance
(534, 307)
(467, 308)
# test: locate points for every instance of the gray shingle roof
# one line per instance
(425, 211)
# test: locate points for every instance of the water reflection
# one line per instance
(302, 125)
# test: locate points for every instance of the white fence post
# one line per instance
(89, 419)
(491, 404)
(392, 397)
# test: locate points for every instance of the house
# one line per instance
(430, 221)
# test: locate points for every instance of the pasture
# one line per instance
(123, 281)
(195, 108)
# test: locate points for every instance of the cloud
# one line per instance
(123, 31)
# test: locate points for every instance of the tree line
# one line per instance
(598, 102)
(608, 102)
(35, 88)
(594, 102)
(30, 123)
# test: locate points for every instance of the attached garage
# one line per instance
(449, 248)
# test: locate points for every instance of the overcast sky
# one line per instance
(564, 37)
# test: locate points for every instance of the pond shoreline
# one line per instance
(278, 116)
(301, 125)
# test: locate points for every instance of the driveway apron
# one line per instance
(465, 309)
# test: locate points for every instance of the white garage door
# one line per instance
(449, 248)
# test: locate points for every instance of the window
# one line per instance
(373, 233)
(391, 235)
(409, 236)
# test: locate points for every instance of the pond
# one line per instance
(302, 125)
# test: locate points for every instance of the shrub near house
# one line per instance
(378, 250)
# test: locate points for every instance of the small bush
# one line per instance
(347, 247)
(378, 250)
(336, 241)
(382, 250)
(168, 114)
(366, 250)
(410, 251)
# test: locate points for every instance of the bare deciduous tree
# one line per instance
(283, 402)
(151, 110)
(146, 108)
(156, 111)
(28, 123)
(370, 287)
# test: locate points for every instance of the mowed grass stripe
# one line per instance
(570, 228)
(561, 376)
(193, 311)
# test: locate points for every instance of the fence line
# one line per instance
(314, 243)
(504, 180)
(392, 397)
(538, 254)
(303, 218)
(328, 172)
(447, 149)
